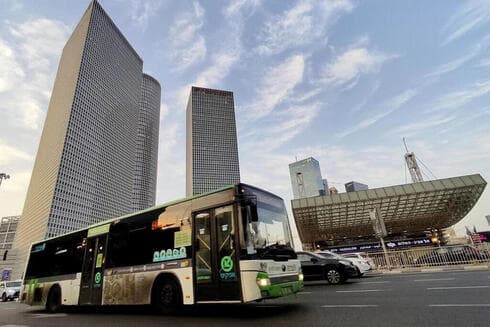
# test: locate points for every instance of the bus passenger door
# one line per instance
(215, 256)
(93, 270)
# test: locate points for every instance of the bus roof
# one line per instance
(164, 205)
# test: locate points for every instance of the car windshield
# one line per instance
(328, 254)
(13, 284)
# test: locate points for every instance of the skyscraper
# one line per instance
(306, 178)
(98, 149)
(211, 150)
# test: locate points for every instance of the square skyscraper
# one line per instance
(211, 150)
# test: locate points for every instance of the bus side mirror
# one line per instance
(252, 212)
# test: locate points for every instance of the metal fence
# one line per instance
(432, 256)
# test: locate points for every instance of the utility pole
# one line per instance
(3, 176)
(380, 231)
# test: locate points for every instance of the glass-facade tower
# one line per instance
(306, 178)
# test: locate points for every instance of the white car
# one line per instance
(9, 290)
(362, 256)
(361, 264)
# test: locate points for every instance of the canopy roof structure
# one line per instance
(405, 208)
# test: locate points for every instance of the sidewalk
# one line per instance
(430, 269)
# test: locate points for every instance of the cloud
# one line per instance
(422, 125)
(141, 11)
(11, 72)
(10, 155)
(305, 22)
(238, 7)
(455, 64)
(473, 14)
(458, 99)
(277, 84)
(352, 64)
(187, 43)
(29, 63)
(387, 107)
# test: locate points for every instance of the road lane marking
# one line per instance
(433, 279)
(49, 315)
(304, 293)
(350, 306)
(460, 305)
(457, 287)
(9, 308)
(361, 291)
(383, 282)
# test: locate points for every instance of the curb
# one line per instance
(430, 270)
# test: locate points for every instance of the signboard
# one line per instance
(6, 274)
(377, 246)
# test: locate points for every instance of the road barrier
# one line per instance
(432, 256)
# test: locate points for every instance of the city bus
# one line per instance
(232, 245)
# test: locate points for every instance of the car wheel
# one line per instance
(333, 276)
(4, 297)
(53, 303)
(167, 296)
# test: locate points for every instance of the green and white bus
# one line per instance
(232, 245)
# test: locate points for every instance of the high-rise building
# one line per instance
(212, 151)
(8, 228)
(97, 154)
(355, 186)
(306, 178)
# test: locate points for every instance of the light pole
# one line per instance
(3, 176)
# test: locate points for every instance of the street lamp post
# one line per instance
(3, 176)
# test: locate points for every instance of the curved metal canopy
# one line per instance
(405, 208)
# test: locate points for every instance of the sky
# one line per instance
(343, 81)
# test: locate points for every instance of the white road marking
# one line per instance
(350, 306)
(303, 293)
(361, 291)
(457, 287)
(432, 280)
(383, 282)
(9, 308)
(14, 326)
(460, 305)
(49, 315)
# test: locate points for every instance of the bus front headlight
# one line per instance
(263, 280)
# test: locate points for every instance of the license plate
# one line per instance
(287, 290)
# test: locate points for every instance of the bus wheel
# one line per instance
(53, 303)
(167, 296)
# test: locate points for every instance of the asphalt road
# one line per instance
(423, 299)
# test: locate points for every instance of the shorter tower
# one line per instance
(306, 178)
(412, 165)
(211, 149)
(355, 186)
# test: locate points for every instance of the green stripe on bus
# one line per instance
(98, 230)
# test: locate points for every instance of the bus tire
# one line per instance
(167, 295)
(53, 302)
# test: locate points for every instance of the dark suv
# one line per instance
(334, 271)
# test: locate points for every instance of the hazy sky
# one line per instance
(342, 81)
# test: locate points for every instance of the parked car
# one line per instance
(361, 265)
(361, 256)
(317, 267)
(10, 290)
(459, 254)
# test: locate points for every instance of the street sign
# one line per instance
(378, 222)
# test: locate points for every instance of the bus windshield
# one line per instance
(270, 227)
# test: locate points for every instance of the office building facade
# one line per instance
(355, 186)
(306, 178)
(99, 137)
(8, 228)
(211, 149)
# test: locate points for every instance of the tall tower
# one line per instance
(211, 150)
(413, 166)
(97, 127)
(306, 178)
